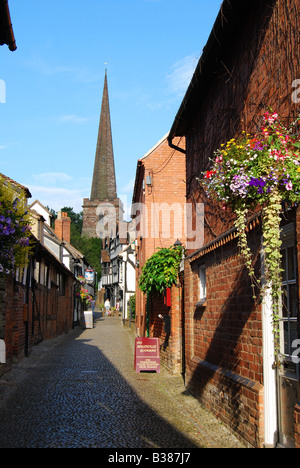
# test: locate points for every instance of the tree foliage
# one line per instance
(90, 247)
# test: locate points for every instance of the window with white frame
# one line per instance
(202, 282)
(289, 324)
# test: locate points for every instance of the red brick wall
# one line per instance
(257, 71)
(224, 342)
(63, 226)
(167, 169)
(49, 316)
(168, 328)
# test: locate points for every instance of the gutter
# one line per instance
(177, 148)
(138, 170)
(7, 26)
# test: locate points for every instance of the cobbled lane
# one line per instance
(81, 391)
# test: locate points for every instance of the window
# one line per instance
(202, 283)
(289, 330)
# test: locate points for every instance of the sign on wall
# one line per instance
(89, 276)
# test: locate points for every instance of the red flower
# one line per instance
(209, 174)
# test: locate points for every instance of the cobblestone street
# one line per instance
(81, 391)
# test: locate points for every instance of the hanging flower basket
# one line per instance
(84, 296)
(259, 171)
(14, 230)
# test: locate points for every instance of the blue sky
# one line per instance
(54, 82)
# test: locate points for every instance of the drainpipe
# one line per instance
(26, 308)
(148, 315)
(269, 372)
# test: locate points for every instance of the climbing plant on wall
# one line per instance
(161, 270)
(14, 229)
(262, 170)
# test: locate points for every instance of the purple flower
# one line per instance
(24, 242)
(259, 183)
(258, 146)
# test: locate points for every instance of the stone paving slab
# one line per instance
(81, 390)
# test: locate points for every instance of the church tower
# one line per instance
(104, 190)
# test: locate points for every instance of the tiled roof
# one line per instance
(16, 185)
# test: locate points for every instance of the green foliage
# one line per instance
(90, 247)
(14, 229)
(161, 270)
(131, 305)
(260, 171)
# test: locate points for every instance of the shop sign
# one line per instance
(147, 355)
(89, 276)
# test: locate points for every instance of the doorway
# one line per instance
(288, 374)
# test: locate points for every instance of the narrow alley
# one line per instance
(81, 391)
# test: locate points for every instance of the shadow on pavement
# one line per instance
(75, 397)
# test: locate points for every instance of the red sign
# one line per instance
(147, 356)
(167, 297)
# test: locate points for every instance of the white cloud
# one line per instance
(56, 190)
(72, 118)
(57, 198)
(51, 178)
(180, 76)
(128, 188)
(80, 73)
(8, 145)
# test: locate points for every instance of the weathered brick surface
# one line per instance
(49, 314)
(63, 226)
(224, 339)
(167, 329)
(161, 229)
(91, 214)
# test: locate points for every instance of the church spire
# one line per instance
(104, 178)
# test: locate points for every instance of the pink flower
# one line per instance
(270, 117)
(277, 155)
(289, 186)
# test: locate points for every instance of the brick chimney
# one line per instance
(63, 226)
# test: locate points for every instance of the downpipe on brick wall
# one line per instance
(26, 306)
(269, 373)
(177, 148)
